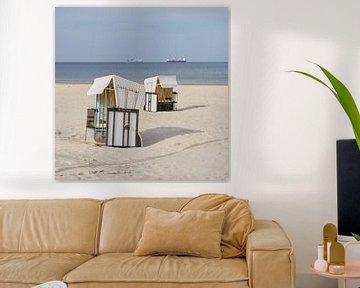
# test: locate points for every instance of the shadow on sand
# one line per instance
(155, 135)
(192, 107)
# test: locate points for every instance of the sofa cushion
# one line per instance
(125, 267)
(239, 220)
(63, 226)
(15, 285)
(236, 284)
(36, 268)
(193, 232)
(123, 220)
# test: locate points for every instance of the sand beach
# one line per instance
(191, 144)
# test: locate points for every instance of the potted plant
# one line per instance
(347, 102)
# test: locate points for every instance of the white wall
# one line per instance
(283, 126)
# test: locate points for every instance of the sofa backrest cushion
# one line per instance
(33, 226)
(123, 220)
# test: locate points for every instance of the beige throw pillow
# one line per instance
(196, 233)
(238, 223)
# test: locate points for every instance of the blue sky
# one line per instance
(117, 34)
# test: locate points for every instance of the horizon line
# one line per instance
(140, 62)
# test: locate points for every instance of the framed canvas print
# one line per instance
(141, 94)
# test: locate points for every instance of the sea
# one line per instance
(186, 72)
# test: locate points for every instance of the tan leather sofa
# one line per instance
(89, 243)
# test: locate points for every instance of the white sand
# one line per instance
(191, 144)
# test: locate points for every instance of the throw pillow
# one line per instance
(196, 233)
(239, 220)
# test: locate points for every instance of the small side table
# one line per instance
(352, 269)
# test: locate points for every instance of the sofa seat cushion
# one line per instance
(125, 267)
(36, 268)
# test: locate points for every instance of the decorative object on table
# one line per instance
(344, 273)
(344, 97)
(337, 258)
(51, 284)
(336, 269)
(333, 252)
(329, 237)
(320, 264)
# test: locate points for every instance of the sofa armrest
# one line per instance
(269, 256)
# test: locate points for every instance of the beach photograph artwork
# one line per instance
(141, 94)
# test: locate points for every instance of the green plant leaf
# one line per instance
(344, 97)
(347, 102)
(356, 236)
(316, 79)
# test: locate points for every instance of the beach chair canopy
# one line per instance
(165, 81)
(128, 94)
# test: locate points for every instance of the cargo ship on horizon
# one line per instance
(176, 60)
(135, 60)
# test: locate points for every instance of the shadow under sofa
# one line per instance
(90, 243)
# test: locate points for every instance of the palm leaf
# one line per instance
(346, 101)
(316, 79)
(344, 97)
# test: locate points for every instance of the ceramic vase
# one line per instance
(320, 264)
